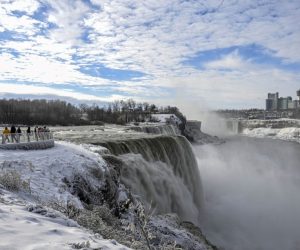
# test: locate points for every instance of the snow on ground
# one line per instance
(288, 134)
(163, 118)
(44, 170)
(22, 229)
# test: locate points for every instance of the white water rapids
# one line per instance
(252, 193)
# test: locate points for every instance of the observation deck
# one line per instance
(27, 141)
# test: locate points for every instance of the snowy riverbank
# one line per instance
(38, 227)
(282, 129)
(69, 196)
(286, 134)
(34, 178)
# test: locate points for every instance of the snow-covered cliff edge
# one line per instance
(69, 196)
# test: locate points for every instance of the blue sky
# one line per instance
(217, 54)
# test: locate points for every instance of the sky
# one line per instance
(188, 53)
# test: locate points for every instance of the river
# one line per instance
(252, 193)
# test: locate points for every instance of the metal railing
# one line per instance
(26, 137)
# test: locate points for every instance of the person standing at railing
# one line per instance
(28, 133)
(19, 133)
(46, 133)
(36, 133)
(5, 135)
(13, 134)
(41, 133)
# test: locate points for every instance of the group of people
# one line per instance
(14, 134)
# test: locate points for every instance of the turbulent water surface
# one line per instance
(252, 193)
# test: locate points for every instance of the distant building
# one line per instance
(274, 102)
(269, 104)
(297, 102)
(283, 102)
(290, 103)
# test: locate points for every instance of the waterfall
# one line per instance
(234, 126)
(162, 170)
(157, 129)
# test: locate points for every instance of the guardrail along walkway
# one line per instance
(27, 141)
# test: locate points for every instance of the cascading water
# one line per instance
(234, 126)
(157, 129)
(157, 164)
(161, 170)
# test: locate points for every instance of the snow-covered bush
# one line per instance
(68, 208)
(83, 187)
(12, 181)
(101, 220)
(82, 245)
(141, 219)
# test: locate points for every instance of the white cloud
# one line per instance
(27, 6)
(25, 89)
(232, 61)
(153, 37)
(35, 68)
(176, 31)
(243, 87)
(68, 15)
(23, 24)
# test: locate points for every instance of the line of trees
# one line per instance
(57, 112)
(32, 112)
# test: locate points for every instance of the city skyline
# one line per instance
(221, 54)
(276, 102)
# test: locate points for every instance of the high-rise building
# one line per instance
(296, 104)
(272, 101)
(269, 104)
(283, 102)
(290, 103)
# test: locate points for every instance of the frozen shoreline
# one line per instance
(286, 134)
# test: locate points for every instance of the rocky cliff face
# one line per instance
(193, 133)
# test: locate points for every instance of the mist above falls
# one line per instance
(252, 193)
